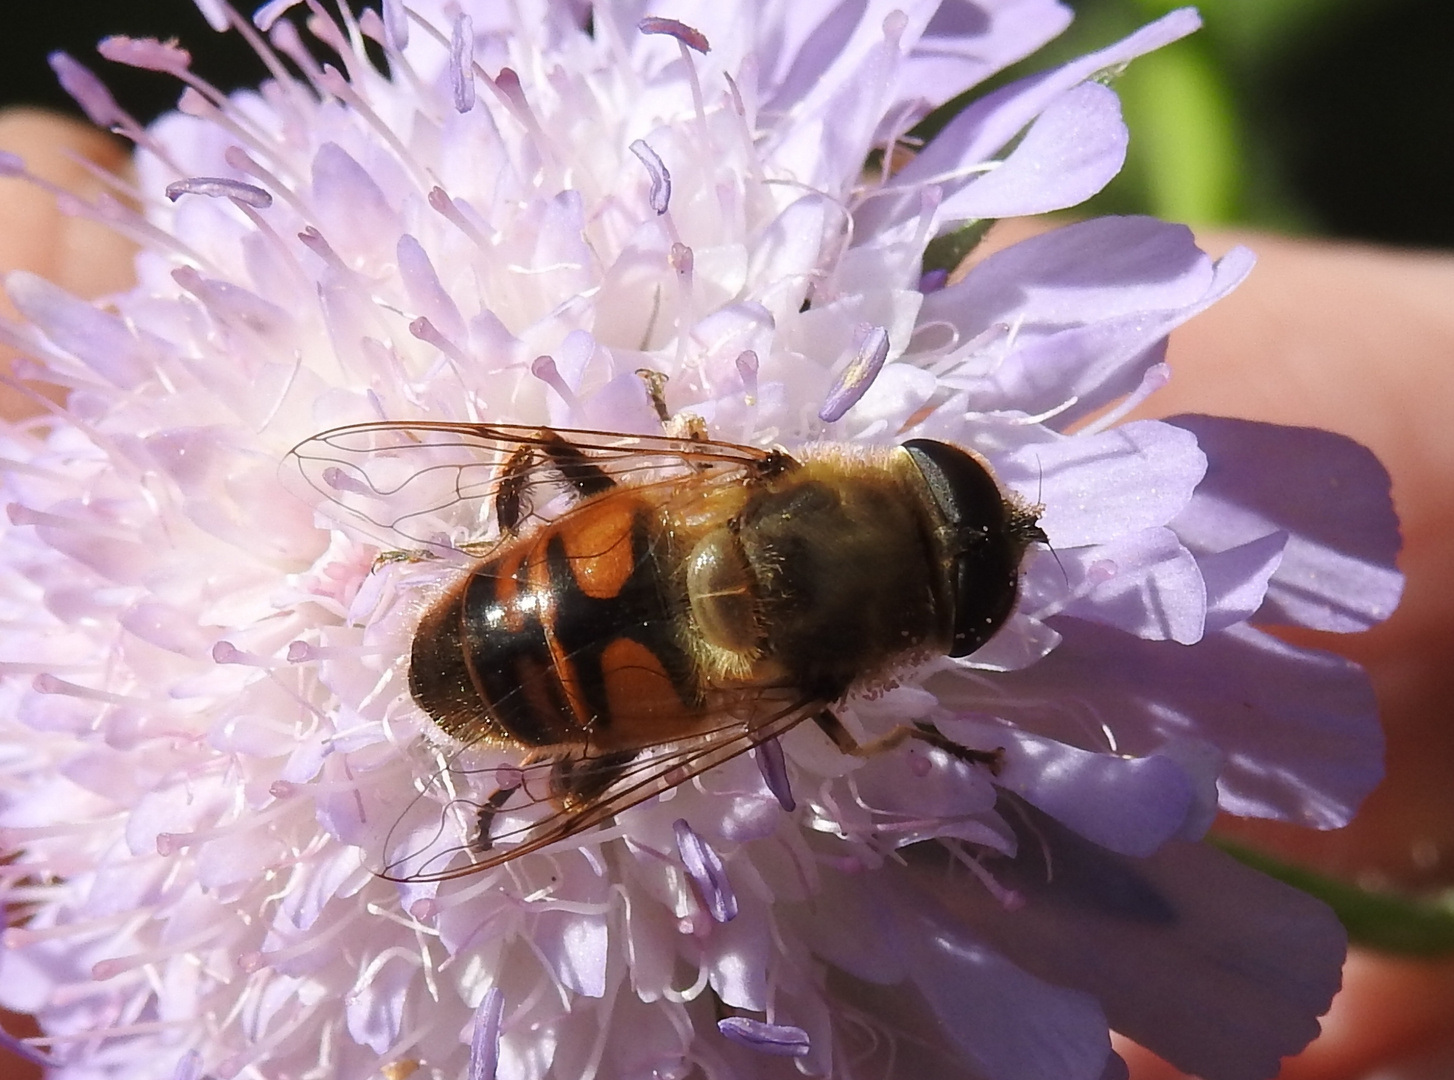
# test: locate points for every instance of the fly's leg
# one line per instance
(844, 740)
(577, 471)
(576, 782)
(485, 819)
(682, 426)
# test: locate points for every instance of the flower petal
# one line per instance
(1217, 968)
(1327, 493)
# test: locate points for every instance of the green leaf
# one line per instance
(1386, 921)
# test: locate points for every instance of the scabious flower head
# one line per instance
(208, 736)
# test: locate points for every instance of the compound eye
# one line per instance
(985, 576)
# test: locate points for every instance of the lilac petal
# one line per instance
(858, 376)
(1091, 304)
(704, 867)
(1237, 578)
(1128, 805)
(349, 199)
(769, 757)
(1098, 488)
(1212, 965)
(780, 1040)
(1070, 152)
(1144, 582)
(217, 187)
(660, 194)
(989, 124)
(965, 42)
(97, 338)
(1300, 727)
(1008, 1022)
(1328, 493)
(485, 1039)
(428, 295)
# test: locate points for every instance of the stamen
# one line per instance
(858, 376)
(149, 54)
(22, 1049)
(747, 367)
(660, 196)
(189, 1066)
(218, 187)
(544, 369)
(87, 91)
(687, 35)
(339, 480)
(780, 1040)
(264, 17)
(1156, 376)
(769, 757)
(485, 1042)
(462, 63)
(396, 25)
(704, 867)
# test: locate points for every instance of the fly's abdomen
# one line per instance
(567, 637)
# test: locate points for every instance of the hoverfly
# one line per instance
(651, 607)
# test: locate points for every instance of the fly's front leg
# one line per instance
(844, 740)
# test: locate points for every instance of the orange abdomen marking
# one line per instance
(598, 544)
(570, 636)
(640, 693)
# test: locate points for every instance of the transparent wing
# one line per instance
(434, 486)
(474, 816)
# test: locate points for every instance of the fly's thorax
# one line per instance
(841, 555)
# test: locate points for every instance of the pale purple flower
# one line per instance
(206, 733)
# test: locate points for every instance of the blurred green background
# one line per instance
(1330, 117)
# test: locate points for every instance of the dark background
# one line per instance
(1342, 110)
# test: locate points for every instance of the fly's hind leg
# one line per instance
(576, 470)
(844, 740)
(576, 782)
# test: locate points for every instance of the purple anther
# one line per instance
(682, 260)
(462, 63)
(781, 1040)
(86, 90)
(858, 376)
(689, 36)
(774, 769)
(704, 867)
(485, 1042)
(219, 187)
(933, 280)
(660, 196)
(300, 652)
